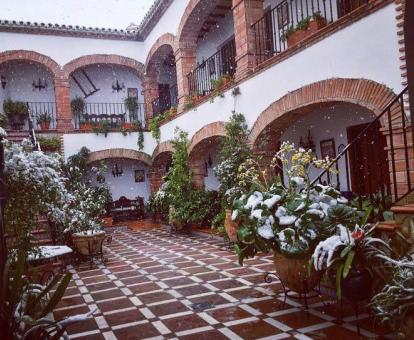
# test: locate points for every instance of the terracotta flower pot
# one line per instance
(89, 244)
(230, 226)
(44, 125)
(299, 35)
(294, 274)
(86, 127)
(128, 125)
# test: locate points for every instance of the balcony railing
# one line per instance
(201, 79)
(38, 109)
(275, 31)
(115, 113)
(160, 105)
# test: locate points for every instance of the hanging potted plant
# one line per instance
(16, 112)
(132, 106)
(44, 120)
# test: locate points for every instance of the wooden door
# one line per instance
(368, 163)
(164, 96)
(347, 6)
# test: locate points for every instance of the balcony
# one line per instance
(291, 21)
(201, 79)
(114, 113)
(168, 98)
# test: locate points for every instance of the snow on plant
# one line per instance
(290, 218)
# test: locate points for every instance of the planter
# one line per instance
(356, 286)
(85, 127)
(128, 126)
(294, 274)
(44, 126)
(173, 222)
(89, 244)
(230, 226)
(299, 35)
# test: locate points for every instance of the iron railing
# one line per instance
(272, 30)
(201, 79)
(378, 162)
(162, 105)
(115, 113)
(37, 109)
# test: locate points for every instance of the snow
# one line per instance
(89, 233)
(47, 252)
(298, 180)
(270, 202)
(281, 211)
(287, 220)
(257, 213)
(254, 200)
(234, 215)
(266, 231)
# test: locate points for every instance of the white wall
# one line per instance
(64, 49)
(20, 76)
(103, 76)
(366, 49)
(213, 40)
(327, 123)
(211, 181)
(115, 140)
(124, 185)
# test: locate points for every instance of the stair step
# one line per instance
(404, 209)
(44, 242)
(388, 226)
(39, 231)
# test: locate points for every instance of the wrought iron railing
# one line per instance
(379, 161)
(115, 113)
(201, 79)
(164, 104)
(39, 109)
(272, 31)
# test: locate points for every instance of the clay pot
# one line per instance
(85, 127)
(294, 274)
(89, 244)
(230, 226)
(299, 35)
(44, 125)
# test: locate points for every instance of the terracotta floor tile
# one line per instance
(124, 317)
(299, 319)
(178, 282)
(229, 314)
(155, 297)
(95, 279)
(99, 286)
(254, 330)
(142, 331)
(108, 294)
(70, 301)
(114, 304)
(226, 284)
(208, 335)
(247, 293)
(183, 323)
(168, 308)
(144, 288)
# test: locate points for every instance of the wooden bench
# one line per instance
(126, 209)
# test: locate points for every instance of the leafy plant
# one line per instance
(49, 144)
(140, 141)
(132, 105)
(103, 127)
(44, 118)
(190, 100)
(78, 106)
(395, 303)
(15, 108)
(155, 122)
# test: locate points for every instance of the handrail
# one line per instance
(391, 122)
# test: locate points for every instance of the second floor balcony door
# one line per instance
(164, 96)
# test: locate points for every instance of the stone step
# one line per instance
(387, 226)
(407, 209)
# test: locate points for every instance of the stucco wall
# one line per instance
(125, 185)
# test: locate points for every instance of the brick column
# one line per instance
(185, 59)
(245, 13)
(63, 110)
(198, 168)
(150, 94)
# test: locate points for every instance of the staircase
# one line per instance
(386, 181)
(17, 136)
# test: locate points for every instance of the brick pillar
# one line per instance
(63, 110)
(185, 58)
(198, 168)
(150, 94)
(245, 13)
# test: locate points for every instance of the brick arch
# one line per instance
(195, 14)
(96, 156)
(366, 93)
(207, 133)
(32, 56)
(109, 59)
(166, 39)
(164, 147)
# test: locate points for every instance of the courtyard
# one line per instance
(160, 285)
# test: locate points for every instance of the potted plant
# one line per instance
(49, 144)
(44, 120)
(78, 106)
(85, 125)
(103, 127)
(350, 257)
(16, 112)
(303, 29)
(288, 218)
(394, 304)
(234, 152)
(132, 106)
(173, 110)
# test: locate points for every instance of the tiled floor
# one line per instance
(162, 286)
